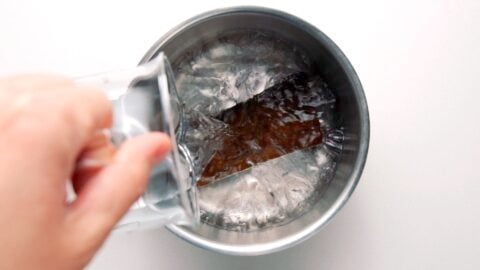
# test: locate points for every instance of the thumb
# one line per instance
(107, 197)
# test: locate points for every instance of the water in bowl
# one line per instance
(259, 127)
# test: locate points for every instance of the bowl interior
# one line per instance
(351, 114)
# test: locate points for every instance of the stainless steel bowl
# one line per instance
(351, 105)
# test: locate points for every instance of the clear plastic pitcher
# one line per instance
(145, 99)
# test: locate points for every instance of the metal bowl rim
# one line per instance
(286, 242)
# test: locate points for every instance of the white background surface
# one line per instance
(418, 203)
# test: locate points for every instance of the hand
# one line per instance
(49, 126)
